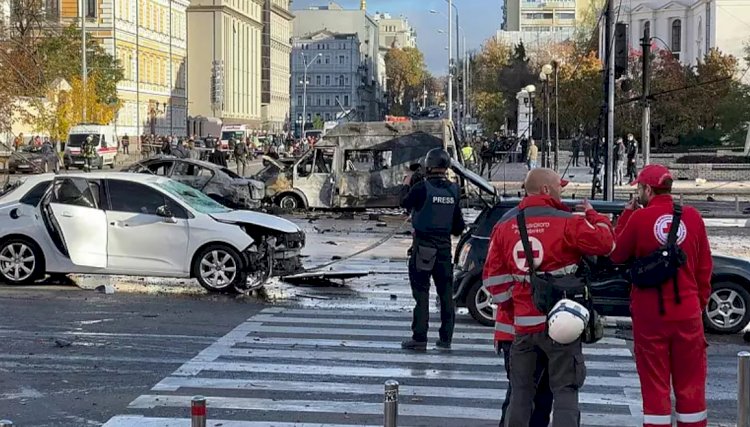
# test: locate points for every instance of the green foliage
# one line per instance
(406, 72)
(318, 122)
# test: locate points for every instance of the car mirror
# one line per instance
(164, 212)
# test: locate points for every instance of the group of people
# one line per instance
(545, 368)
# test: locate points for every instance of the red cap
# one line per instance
(653, 176)
(564, 182)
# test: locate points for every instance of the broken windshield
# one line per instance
(193, 198)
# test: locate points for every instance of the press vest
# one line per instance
(436, 215)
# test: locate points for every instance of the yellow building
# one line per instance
(277, 30)
(149, 37)
(226, 32)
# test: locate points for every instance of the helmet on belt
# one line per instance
(566, 321)
(437, 158)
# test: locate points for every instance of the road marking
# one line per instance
(141, 421)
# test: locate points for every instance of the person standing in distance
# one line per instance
(557, 240)
(435, 216)
(668, 338)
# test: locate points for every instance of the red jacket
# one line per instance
(558, 237)
(637, 233)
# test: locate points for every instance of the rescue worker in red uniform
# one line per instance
(504, 335)
(669, 343)
(558, 240)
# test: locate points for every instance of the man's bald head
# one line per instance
(543, 181)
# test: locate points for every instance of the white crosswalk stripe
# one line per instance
(304, 367)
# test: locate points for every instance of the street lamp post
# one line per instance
(304, 83)
(544, 77)
(556, 66)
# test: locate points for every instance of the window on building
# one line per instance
(342, 59)
(319, 60)
(318, 100)
(91, 8)
(328, 80)
(317, 80)
(328, 59)
(566, 15)
(346, 100)
(676, 35)
(299, 100)
(646, 26)
(328, 101)
(341, 80)
(328, 117)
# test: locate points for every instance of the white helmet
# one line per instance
(566, 321)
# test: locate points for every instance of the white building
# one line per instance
(690, 28)
(277, 34)
(395, 32)
(334, 76)
(338, 20)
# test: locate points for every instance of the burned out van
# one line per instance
(357, 165)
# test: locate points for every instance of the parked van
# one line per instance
(103, 137)
(238, 132)
(357, 165)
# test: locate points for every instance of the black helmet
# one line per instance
(437, 158)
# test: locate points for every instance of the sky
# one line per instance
(480, 20)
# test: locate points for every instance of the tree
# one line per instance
(519, 53)
(406, 72)
(580, 92)
(318, 122)
(491, 110)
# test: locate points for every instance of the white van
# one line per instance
(238, 132)
(104, 139)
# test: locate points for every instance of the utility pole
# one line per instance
(610, 76)
(646, 123)
(556, 66)
(84, 76)
(450, 60)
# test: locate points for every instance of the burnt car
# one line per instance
(217, 182)
(728, 309)
(31, 159)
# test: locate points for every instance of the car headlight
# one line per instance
(463, 257)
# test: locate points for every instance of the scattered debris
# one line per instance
(59, 342)
(710, 199)
(335, 258)
(369, 229)
(331, 242)
(150, 315)
(105, 289)
(394, 297)
(346, 215)
(381, 224)
(373, 217)
(699, 181)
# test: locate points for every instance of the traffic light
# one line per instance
(621, 50)
(217, 82)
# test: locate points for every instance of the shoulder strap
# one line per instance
(521, 220)
(674, 228)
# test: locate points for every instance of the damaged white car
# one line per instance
(139, 225)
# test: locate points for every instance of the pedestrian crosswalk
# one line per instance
(304, 367)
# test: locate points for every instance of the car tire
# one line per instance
(215, 261)
(100, 165)
(728, 309)
(289, 201)
(31, 261)
(476, 297)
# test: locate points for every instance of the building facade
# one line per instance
(335, 70)
(540, 23)
(277, 48)
(225, 70)
(335, 19)
(688, 28)
(395, 32)
(149, 38)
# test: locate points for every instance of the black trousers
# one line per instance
(576, 153)
(442, 274)
(543, 398)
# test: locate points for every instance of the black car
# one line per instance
(728, 309)
(32, 159)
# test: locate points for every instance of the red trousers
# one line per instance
(671, 354)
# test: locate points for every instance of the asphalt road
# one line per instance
(292, 355)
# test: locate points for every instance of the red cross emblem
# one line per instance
(519, 254)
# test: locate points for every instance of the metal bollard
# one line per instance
(737, 203)
(681, 202)
(198, 411)
(6, 423)
(390, 403)
(743, 389)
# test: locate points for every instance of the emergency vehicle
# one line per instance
(105, 142)
(238, 132)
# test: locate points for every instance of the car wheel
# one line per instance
(728, 309)
(290, 202)
(219, 268)
(67, 168)
(21, 261)
(100, 165)
(479, 303)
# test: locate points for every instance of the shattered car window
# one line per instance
(193, 198)
(367, 160)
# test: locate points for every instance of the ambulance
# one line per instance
(238, 132)
(104, 138)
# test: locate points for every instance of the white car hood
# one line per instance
(256, 218)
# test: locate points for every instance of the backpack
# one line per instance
(661, 265)
(547, 290)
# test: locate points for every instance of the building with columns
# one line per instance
(226, 32)
(395, 32)
(689, 28)
(149, 37)
(277, 48)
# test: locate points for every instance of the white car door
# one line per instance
(74, 205)
(147, 231)
(314, 177)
